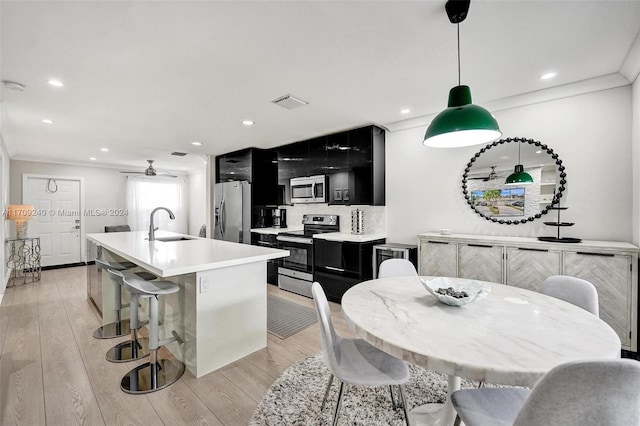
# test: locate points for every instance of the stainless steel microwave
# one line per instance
(311, 189)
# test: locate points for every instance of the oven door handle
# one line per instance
(287, 239)
(333, 268)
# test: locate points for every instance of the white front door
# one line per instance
(57, 220)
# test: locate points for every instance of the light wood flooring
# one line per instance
(53, 372)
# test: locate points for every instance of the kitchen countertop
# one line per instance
(274, 231)
(167, 259)
(343, 236)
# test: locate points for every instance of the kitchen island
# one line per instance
(220, 311)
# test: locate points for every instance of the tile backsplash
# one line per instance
(375, 221)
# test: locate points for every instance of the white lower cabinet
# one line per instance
(529, 267)
(481, 262)
(611, 275)
(527, 262)
(440, 258)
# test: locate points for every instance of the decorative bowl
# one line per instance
(473, 289)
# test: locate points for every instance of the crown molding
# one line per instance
(596, 84)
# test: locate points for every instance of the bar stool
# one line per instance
(157, 373)
(136, 347)
(119, 327)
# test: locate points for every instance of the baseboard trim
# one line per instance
(68, 265)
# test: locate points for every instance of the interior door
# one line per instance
(57, 222)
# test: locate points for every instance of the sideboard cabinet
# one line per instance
(612, 267)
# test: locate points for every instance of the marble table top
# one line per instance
(511, 336)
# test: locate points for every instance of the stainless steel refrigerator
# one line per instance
(232, 211)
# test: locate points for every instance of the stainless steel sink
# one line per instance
(169, 239)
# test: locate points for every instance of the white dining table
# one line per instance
(510, 336)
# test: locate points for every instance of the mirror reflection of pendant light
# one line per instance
(519, 176)
(462, 123)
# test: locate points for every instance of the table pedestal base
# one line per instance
(437, 414)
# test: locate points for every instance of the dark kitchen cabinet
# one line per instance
(339, 265)
(356, 166)
(354, 161)
(257, 166)
(270, 241)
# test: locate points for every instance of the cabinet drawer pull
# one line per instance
(596, 254)
(437, 242)
(532, 249)
(479, 245)
(333, 268)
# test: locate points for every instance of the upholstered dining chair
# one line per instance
(580, 393)
(396, 268)
(354, 361)
(574, 290)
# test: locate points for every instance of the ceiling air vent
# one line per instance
(179, 154)
(289, 102)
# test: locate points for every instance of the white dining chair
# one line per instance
(397, 268)
(580, 393)
(354, 361)
(574, 290)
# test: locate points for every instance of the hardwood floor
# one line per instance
(53, 372)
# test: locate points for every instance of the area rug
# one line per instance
(295, 397)
(285, 318)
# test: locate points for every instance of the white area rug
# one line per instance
(295, 398)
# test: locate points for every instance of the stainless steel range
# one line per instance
(296, 272)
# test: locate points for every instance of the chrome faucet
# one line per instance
(152, 230)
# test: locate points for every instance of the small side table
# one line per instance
(24, 260)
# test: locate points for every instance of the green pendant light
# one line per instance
(462, 123)
(519, 176)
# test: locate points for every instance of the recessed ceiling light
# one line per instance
(184, 168)
(548, 75)
(55, 83)
(92, 158)
(196, 143)
(538, 152)
(47, 121)
(104, 149)
(248, 122)
(405, 111)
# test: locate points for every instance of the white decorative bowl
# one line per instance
(474, 289)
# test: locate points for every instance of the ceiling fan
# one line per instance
(492, 175)
(150, 171)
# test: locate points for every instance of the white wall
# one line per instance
(4, 199)
(591, 133)
(636, 161)
(197, 200)
(104, 189)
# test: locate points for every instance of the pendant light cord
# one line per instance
(458, 27)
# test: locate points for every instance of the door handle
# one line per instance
(333, 268)
(313, 191)
(222, 217)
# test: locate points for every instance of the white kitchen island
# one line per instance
(221, 310)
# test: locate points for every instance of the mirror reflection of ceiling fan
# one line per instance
(150, 171)
(492, 175)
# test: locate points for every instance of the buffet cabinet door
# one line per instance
(481, 262)
(438, 258)
(528, 267)
(611, 275)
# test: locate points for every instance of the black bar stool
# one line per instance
(157, 373)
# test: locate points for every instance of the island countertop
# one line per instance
(171, 258)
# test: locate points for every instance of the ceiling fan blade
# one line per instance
(131, 173)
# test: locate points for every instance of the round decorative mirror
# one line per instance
(523, 199)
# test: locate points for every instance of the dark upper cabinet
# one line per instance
(356, 162)
(317, 164)
(257, 166)
(293, 160)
